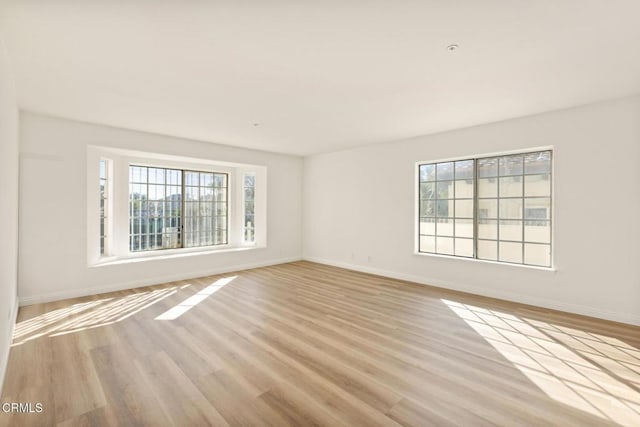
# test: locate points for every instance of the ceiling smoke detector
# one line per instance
(452, 47)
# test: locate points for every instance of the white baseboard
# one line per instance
(75, 293)
(629, 318)
(4, 359)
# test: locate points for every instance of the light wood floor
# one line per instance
(307, 344)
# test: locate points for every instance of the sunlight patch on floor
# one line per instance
(91, 314)
(590, 372)
(186, 305)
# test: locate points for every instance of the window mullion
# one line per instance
(523, 206)
(182, 209)
(498, 208)
(475, 208)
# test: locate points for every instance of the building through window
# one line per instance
(491, 208)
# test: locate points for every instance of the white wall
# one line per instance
(359, 210)
(8, 208)
(53, 206)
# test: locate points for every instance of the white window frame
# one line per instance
(476, 157)
(120, 160)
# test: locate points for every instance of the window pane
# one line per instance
(488, 249)
(174, 177)
(537, 231)
(249, 180)
(156, 192)
(445, 190)
(427, 190)
(138, 174)
(444, 171)
(248, 207)
(464, 247)
(511, 208)
(537, 255)
(511, 165)
(137, 191)
(464, 208)
(427, 244)
(190, 209)
(464, 169)
(487, 208)
(249, 193)
(488, 229)
(206, 179)
(220, 222)
(444, 227)
(510, 252)
(427, 208)
(511, 186)
(156, 176)
(537, 163)
(206, 209)
(151, 208)
(206, 193)
(191, 178)
(538, 208)
(221, 209)
(220, 180)
(444, 208)
(444, 245)
(104, 206)
(427, 173)
(537, 185)
(464, 227)
(221, 237)
(206, 224)
(192, 193)
(220, 194)
(510, 230)
(488, 187)
(464, 188)
(487, 167)
(427, 226)
(174, 193)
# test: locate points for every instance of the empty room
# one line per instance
(331, 213)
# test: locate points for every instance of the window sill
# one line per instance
(168, 254)
(483, 261)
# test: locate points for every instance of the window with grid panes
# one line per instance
(446, 208)
(492, 208)
(104, 204)
(205, 206)
(174, 208)
(249, 192)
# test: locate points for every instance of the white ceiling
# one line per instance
(317, 75)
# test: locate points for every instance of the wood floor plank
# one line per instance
(179, 398)
(309, 344)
